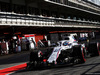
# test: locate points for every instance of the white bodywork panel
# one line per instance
(54, 54)
(62, 45)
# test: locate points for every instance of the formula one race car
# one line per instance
(62, 52)
(65, 51)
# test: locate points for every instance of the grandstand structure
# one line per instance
(44, 16)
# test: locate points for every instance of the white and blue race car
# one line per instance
(62, 52)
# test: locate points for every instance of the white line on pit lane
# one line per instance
(92, 74)
(10, 73)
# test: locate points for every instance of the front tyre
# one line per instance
(29, 66)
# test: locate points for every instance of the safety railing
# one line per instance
(82, 7)
(33, 20)
(75, 5)
(26, 20)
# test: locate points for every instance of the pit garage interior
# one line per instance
(8, 32)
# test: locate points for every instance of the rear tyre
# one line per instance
(94, 49)
(83, 55)
(79, 53)
(98, 49)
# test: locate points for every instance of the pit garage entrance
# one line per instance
(9, 31)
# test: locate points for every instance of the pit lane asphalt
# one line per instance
(91, 67)
(14, 59)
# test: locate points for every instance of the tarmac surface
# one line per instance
(91, 67)
(11, 60)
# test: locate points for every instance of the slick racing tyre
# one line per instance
(29, 66)
(83, 55)
(35, 58)
(79, 53)
(98, 48)
(94, 49)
